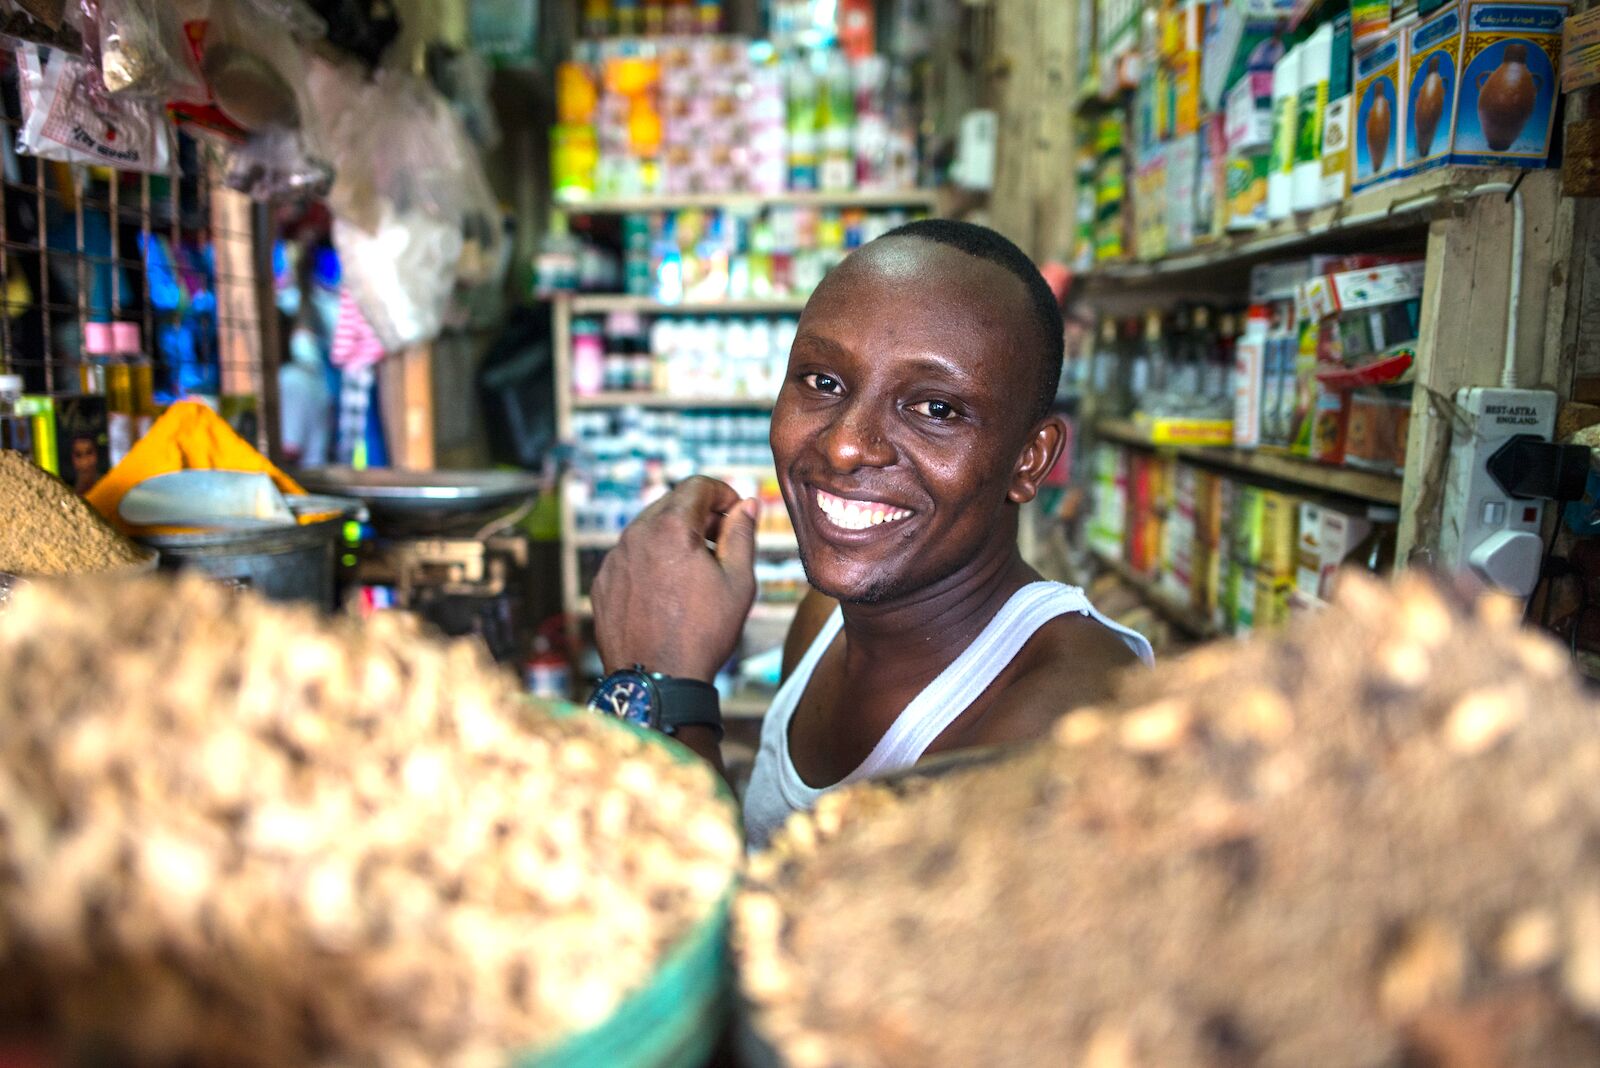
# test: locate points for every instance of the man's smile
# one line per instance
(854, 515)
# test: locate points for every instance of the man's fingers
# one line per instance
(701, 501)
(736, 540)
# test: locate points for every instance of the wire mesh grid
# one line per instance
(178, 255)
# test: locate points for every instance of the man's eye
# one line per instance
(935, 409)
(821, 383)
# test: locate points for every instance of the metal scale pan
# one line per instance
(428, 503)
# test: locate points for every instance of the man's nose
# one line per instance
(856, 438)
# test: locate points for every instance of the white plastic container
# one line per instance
(1285, 125)
(1316, 63)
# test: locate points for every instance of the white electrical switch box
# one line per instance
(1487, 531)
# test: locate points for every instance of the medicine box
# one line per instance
(1433, 64)
(1507, 98)
(1379, 114)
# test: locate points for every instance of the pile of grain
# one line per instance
(234, 833)
(49, 530)
(1372, 842)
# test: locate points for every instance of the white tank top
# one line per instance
(776, 789)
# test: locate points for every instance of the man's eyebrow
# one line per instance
(817, 340)
(941, 367)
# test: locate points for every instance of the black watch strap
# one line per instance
(688, 703)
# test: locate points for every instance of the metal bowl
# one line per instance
(425, 501)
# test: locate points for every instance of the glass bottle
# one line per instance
(142, 375)
(16, 429)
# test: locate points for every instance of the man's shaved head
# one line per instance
(1042, 309)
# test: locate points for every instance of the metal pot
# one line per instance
(298, 563)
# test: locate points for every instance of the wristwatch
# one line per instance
(660, 702)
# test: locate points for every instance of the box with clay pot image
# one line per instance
(1506, 103)
(1433, 60)
(1379, 114)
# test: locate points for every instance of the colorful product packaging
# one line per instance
(1248, 114)
(1245, 183)
(1433, 64)
(1369, 23)
(1316, 61)
(1336, 119)
(1183, 174)
(1285, 128)
(1379, 114)
(1505, 108)
(1279, 511)
(1308, 550)
(1341, 532)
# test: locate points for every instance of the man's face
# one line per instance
(903, 416)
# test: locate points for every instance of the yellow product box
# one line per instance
(1379, 114)
(1279, 548)
(1433, 68)
(1174, 431)
(1506, 105)
(1272, 600)
(1186, 93)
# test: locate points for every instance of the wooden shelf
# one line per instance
(662, 400)
(1180, 615)
(606, 303)
(1304, 474)
(1408, 203)
(888, 198)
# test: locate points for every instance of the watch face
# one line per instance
(627, 695)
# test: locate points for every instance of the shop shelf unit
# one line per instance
(1462, 219)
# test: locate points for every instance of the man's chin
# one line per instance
(871, 591)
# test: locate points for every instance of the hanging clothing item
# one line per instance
(776, 788)
(356, 352)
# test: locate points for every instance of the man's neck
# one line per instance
(916, 636)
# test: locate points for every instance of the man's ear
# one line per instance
(1038, 457)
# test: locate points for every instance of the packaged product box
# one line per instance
(1223, 561)
(1242, 586)
(1249, 371)
(83, 440)
(1379, 114)
(1505, 107)
(1150, 206)
(1207, 539)
(1183, 173)
(1336, 117)
(1248, 115)
(1369, 23)
(1186, 90)
(1279, 513)
(1316, 62)
(1330, 425)
(1110, 501)
(42, 411)
(1245, 180)
(1308, 550)
(1271, 601)
(1433, 60)
(1210, 204)
(1249, 508)
(1342, 530)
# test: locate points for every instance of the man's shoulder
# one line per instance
(1071, 662)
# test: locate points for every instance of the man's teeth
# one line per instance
(857, 515)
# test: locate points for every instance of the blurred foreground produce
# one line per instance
(234, 833)
(1369, 842)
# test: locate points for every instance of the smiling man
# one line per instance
(913, 423)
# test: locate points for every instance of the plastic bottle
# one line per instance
(588, 358)
(1285, 118)
(111, 378)
(1249, 374)
(16, 429)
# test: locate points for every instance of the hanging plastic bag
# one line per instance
(143, 51)
(68, 117)
(409, 187)
(274, 165)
